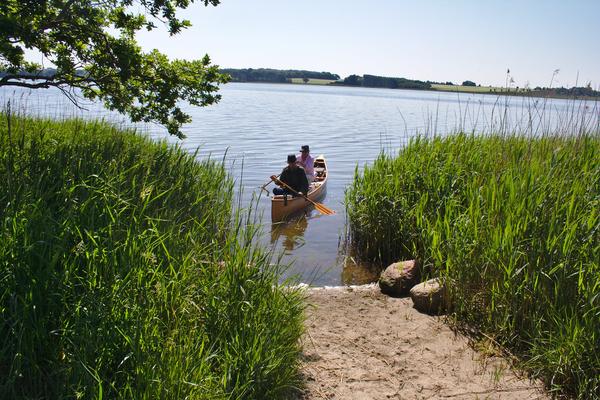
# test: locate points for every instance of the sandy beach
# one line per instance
(361, 344)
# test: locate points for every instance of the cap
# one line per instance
(291, 158)
(305, 148)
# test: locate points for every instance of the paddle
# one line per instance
(320, 207)
(267, 184)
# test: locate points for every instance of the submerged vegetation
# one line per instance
(512, 225)
(124, 274)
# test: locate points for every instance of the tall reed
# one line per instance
(512, 225)
(124, 274)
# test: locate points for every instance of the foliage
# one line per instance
(385, 82)
(353, 80)
(77, 37)
(124, 275)
(512, 224)
(393, 83)
(577, 92)
(469, 83)
(275, 75)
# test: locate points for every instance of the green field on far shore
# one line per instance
(440, 87)
(477, 89)
(496, 90)
(313, 81)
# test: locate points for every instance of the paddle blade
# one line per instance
(323, 209)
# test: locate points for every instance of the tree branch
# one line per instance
(72, 97)
(18, 80)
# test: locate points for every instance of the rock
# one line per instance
(398, 278)
(429, 297)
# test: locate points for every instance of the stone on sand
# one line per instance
(429, 296)
(398, 278)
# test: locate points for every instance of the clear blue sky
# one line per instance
(427, 40)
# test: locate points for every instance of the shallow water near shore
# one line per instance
(255, 126)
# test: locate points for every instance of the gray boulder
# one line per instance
(398, 278)
(429, 297)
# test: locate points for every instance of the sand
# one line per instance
(361, 344)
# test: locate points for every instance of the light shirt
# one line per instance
(308, 164)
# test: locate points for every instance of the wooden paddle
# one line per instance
(267, 184)
(320, 207)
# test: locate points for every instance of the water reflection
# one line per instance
(355, 272)
(291, 231)
(294, 233)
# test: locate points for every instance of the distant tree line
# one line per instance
(275, 75)
(43, 73)
(384, 82)
(576, 91)
(285, 76)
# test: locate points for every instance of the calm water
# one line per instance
(257, 125)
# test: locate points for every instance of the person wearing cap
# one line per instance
(294, 176)
(307, 162)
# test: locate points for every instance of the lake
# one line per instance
(256, 125)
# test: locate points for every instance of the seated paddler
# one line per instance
(306, 161)
(294, 178)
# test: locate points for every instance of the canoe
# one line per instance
(282, 206)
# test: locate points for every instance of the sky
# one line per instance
(437, 40)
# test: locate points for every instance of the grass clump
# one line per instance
(512, 224)
(123, 273)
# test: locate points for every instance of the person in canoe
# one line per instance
(306, 161)
(294, 176)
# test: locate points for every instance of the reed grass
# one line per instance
(512, 225)
(124, 274)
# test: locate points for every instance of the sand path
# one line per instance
(361, 344)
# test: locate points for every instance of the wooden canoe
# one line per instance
(282, 206)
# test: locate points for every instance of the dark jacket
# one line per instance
(295, 178)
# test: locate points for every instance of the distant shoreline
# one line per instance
(302, 77)
(541, 94)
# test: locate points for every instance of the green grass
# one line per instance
(124, 274)
(512, 225)
(313, 81)
(476, 89)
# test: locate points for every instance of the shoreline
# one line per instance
(535, 95)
